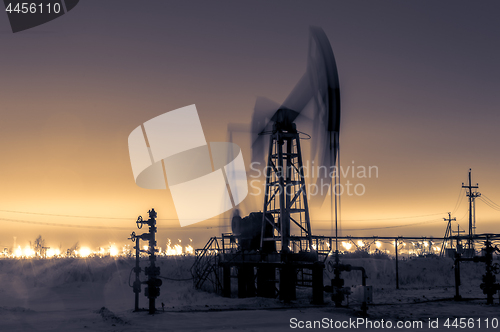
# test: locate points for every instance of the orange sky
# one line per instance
(419, 88)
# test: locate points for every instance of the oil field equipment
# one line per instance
(152, 290)
(489, 284)
(272, 251)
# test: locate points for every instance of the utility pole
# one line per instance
(472, 206)
(447, 234)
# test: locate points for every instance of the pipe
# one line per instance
(363, 273)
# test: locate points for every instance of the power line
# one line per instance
(460, 198)
(489, 199)
(61, 225)
(395, 226)
(80, 216)
(461, 218)
(41, 223)
(489, 204)
(62, 215)
(174, 219)
(179, 228)
(392, 218)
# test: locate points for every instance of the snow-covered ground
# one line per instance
(94, 295)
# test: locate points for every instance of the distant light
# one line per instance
(85, 252)
(360, 243)
(346, 245)
(18, 252)
(50, 252)
(113, 251)
(378, 244)
(28, 252)
(189, 250)
(174, 251)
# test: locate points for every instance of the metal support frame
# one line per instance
(447, 235)
(285, 195)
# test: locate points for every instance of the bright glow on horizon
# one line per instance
(50, 252)
(28, 252)
(176, 250)
(85, 252)
(347, 245)
(113, 251)
(18, 252)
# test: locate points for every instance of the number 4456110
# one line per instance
(33, 8)
(463, 323)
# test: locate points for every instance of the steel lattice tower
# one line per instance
(285, 195)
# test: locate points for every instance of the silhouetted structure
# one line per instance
(472, 195)
(152, 290)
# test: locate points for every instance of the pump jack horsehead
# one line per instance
(279, 238)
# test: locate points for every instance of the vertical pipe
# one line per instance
(470, 211)
(226, 280)
(284, 218)
(137, 270)
(153, 287)
(266, 194)
(306, 203)
(397, 267)
(288, 190)
(457, 276)
(317, 281)
(242, 282)
(266, 276)
(288, 276)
